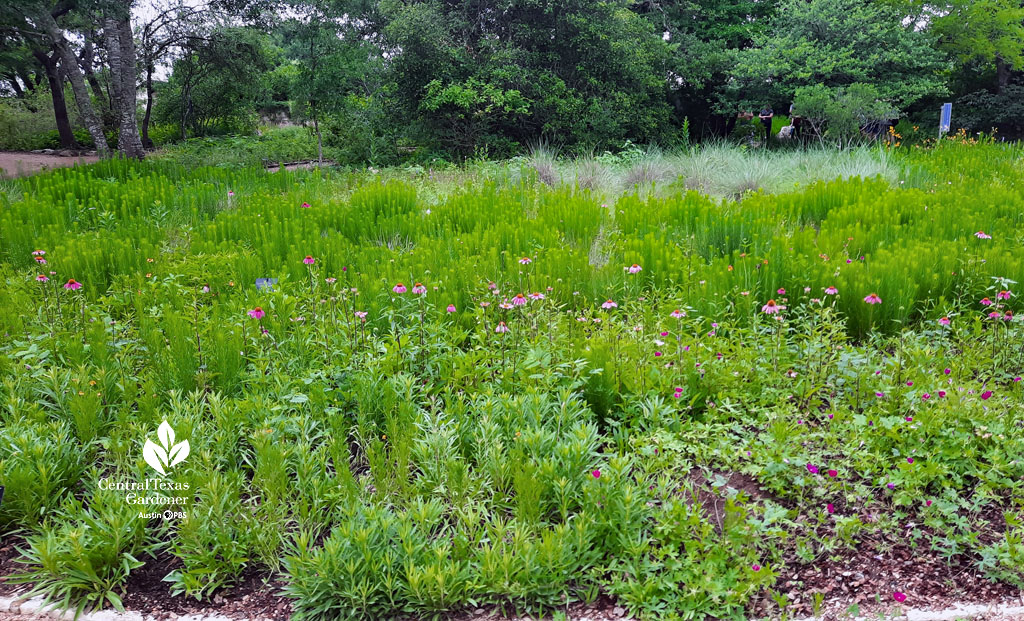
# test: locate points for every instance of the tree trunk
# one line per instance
(1002, 74)
(74, 73)
(88, 57)
(319, 139)
(121, 58)
(147, 142)
(60, 108)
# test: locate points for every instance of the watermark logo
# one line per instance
(164, 456)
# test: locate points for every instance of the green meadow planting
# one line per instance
(419, 392)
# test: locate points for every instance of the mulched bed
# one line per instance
(254, 595)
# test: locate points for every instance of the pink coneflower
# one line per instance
(537, 296)
(257, 313)
(634, 269)
(1003, 295)
(361, 314)
(40, 260)
(994, 315)
(771, 308)
(309, 260)
(231, 193)
(419, 289)
(331, 280)
(944, 321)
(899, 597)
(38, 253)
(505, 306)
(305, 205)
(609, 304)
(985, 395)
(596, 474)
(982, 235)
(42, 278)
(986, 302)
(525, 261)
(519, 300)
(873, 299)
(492, 286)
(812, 469)
(677, 314)
(501, 328)
(451, 308)
(72, 285)
(399, 288)
(831, 291)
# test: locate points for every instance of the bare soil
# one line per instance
(20, 164)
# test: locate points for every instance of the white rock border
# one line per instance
(35, 608)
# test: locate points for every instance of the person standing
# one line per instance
(766, 119)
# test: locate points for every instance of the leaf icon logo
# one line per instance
(162, 457)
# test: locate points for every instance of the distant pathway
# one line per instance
(19, 163)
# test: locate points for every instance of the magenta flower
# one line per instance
(944, 321)
(419, 289)
(873, 298)
(910, 460)
(1003, 295)
(609, 304)
(42, 278)
(771, 308)
(305, 205)
(879, 394)
(501, 328)
(657, 354)
(206, 288)
(812, 469)
(910, 382)
(38, 253)
(451, 308)
(982, 235)
(361, 315)
(891, 486)
(947, 370)
(399, 288)
(596, 474)
(781, 291)
(519, 300)
(677, 314)
(942, 394)
(831, 291)
(72, 285)
(309, 260)
(926, 396)
(899, 597)
(986, 302)
(755, 567)
(525, 261)
(634, 269)
(985, 395)
(537, 296)
(830, 508)
(40, 260)
(927, 503)
(257, 313)
(833, 473)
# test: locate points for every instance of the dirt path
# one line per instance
(18, 164)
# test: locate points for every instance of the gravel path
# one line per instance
(17, 164)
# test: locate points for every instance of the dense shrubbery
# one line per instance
(390, 446)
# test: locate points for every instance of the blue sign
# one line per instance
(944, 118)
(266, 283)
